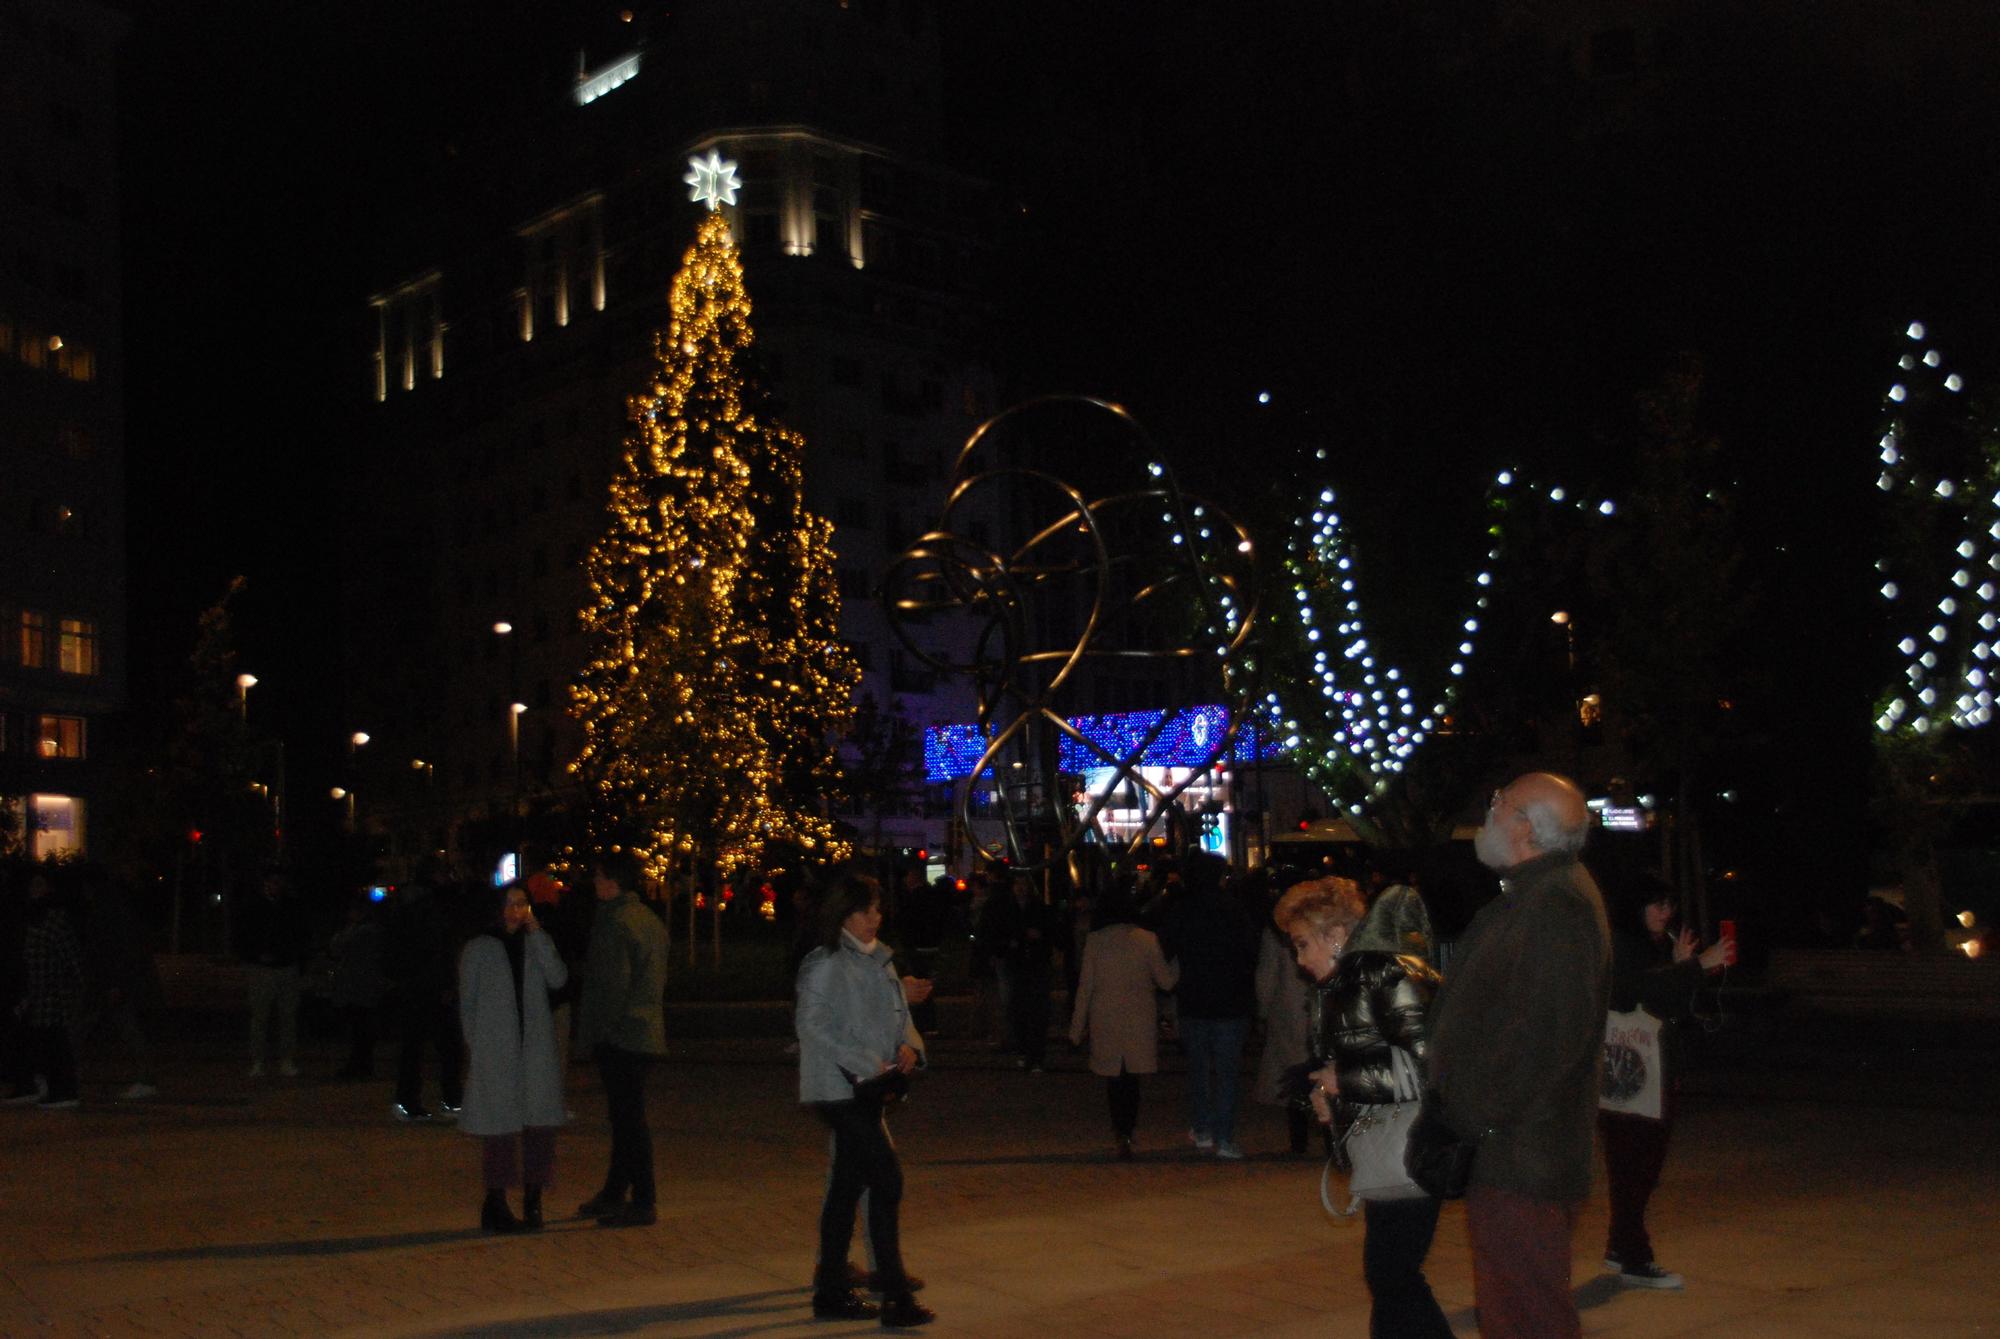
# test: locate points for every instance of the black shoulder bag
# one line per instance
(1437, 1157)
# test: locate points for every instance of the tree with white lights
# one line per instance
(1939, 582)
(716, 684)
(1354, 717)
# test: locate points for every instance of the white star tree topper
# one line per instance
(713, 181)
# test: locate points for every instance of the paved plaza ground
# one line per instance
(1817, 1188)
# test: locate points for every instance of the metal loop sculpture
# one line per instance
(1150, 577)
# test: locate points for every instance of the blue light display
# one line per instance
(951, 750)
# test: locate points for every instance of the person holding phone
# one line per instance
(855, 1057)
(1658, 967)
(513, 1087)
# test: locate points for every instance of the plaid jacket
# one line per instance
(54, 969)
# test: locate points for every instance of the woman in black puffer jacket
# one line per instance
(1373, 992)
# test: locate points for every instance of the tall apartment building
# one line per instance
(62, 505)
(503, 354)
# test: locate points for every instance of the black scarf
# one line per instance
(515, 942)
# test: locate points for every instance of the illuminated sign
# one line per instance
(620, 72)
(950, 751)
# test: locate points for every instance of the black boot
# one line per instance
(531, 1208)
(903, 1311)
(838, 1303)
(495, 1216)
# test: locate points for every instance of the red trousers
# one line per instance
(1520, 1265)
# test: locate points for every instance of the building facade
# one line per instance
(502, 357)
(62, 504)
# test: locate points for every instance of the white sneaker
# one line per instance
(1228, 1151)
(27, 1097)
(1201, 1140)
(288, 1069)
(138, 1092)
(1650, 1276)
(256, 1069)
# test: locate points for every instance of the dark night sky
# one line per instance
(1432, 283)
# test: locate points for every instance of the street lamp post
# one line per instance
(343, 793)
(244, 683)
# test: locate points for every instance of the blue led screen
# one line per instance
(951, 750)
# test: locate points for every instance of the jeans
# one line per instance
(623, 1074)
(273, 990)
(428, 1018)
(864, 1158)
(1214, 1049)
(1027, 992)
(1392, 1260)
(54, 1052)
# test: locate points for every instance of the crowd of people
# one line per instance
(1339, 971)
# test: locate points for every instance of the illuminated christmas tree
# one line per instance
(716, 683)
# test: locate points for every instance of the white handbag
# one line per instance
(1631, 1078)
(1375, 1142)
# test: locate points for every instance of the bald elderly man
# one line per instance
(1516, 1035)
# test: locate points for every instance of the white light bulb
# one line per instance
(1945, 488)
(1965, 549)
(1606, 507)
(1931, 358)
(1916, 330)
(1954, 382)
(1557, 495)
(1938, 632)
(1897, 393)
(1504, 478)
(1908, 646)
(1889, 591)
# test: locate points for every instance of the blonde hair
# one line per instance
(1320, 906)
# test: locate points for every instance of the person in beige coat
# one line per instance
(1122, 968)
(1282, 1002)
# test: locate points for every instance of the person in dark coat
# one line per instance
(1517, 1039)
(1212, 938)
(1023, 951)
(422, 962)
(1658, 969)
(124, 984)
(51, 1006)
(359, 983)
(622, 1021)
(271, 941)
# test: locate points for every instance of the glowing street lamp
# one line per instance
(342, 793)
(244, 683)
(356, 740)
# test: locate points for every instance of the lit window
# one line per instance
(76, 646)
(61, 736)
(57, 821)
(34, 639)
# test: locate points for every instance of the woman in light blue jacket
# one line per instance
(854, 1055)
(513, 1087)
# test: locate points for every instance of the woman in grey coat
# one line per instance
(855, 1057)
(1116, 1008)
(513, 1087)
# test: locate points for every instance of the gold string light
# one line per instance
(717, 682)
